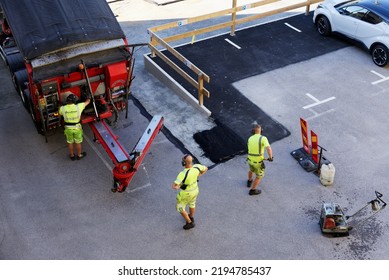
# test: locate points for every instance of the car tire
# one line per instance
(380, 55)
(323, 25)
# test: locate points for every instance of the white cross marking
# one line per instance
(317, 101)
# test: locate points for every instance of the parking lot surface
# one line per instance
(53, 208)
(250, 52)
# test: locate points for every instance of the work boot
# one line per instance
(83, 154)
(254, 192)
(191, 218)
(189, 225)
(73, 157)
(249, 183)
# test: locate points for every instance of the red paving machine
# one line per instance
(57, 48)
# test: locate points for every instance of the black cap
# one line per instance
(71, 98)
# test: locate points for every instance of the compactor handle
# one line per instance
(379, 195)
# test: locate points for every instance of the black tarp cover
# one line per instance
(43, 26)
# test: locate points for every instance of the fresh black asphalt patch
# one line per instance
(264, 48)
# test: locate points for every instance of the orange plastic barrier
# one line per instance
(304, 134)
(315, 144)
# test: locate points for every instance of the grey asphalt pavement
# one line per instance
(53, 208)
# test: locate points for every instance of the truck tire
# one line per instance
(20, 79)
(3, 56)
(31, 111)
(15, 62)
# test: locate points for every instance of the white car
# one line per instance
(365, 21)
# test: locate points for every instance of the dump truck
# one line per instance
(57, 48)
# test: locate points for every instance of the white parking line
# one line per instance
(291, 26)
(383, 78)
(317, 101)
(93, 146)
(232, 43)
(312, 97)
(130, 190)
(378, 74)
(316, 114)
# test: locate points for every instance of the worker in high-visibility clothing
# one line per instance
(187, 181)
(71, 113)
(256, 144)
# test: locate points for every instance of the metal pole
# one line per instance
(319, 164)
(233, 17)
(90, 90)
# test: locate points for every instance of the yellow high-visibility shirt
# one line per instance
(72, 112)
(255, 149)
(191, 178)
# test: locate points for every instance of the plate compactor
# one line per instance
(333, 221)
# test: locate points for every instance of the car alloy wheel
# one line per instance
(323, 26)
(379, 55)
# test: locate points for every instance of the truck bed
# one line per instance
(40, 26)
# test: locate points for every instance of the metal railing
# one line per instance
(156, 40)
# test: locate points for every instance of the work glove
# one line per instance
(85, 95)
